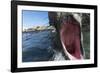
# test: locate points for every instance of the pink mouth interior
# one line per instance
(70, 36)
(72, 46)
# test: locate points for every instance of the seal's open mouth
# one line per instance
(70, 37)
(72, 52)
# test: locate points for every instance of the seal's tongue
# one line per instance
(70, 37)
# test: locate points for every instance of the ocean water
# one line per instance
(38, 46)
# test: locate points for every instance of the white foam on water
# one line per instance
(58, 56)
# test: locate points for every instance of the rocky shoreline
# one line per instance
(38, 28)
